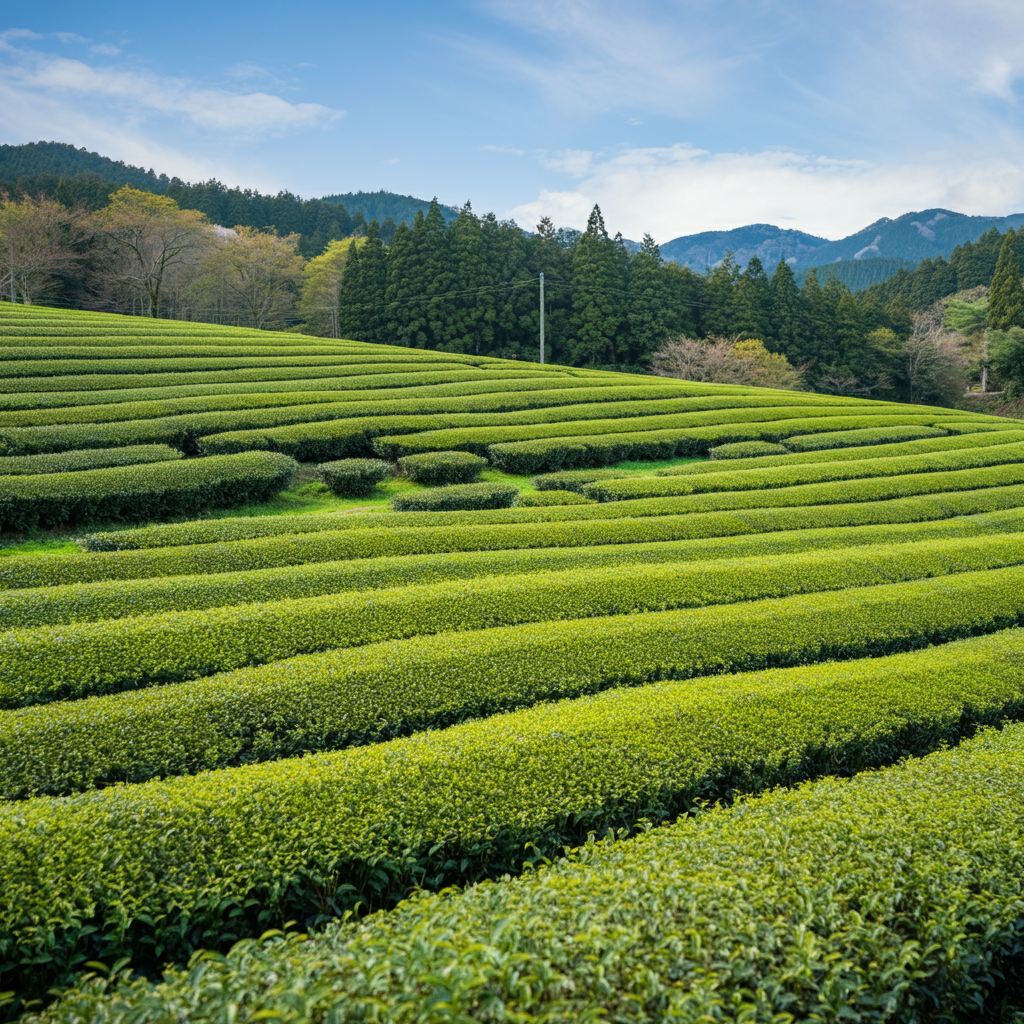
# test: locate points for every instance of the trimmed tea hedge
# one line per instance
(573, 479)
(551, 498)
(876, 435)
(357, 697)
(117, 598)
(97, 458)
(129, 653)
(440, 468)
(627, 488)
(887, 897)
(352, 477)
(457, 497)
(827, 493)
(135, 493)
(935, 444)
(747, 450)
(265, 552)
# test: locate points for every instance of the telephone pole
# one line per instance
(542, 316)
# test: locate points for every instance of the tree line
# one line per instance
(471, 285)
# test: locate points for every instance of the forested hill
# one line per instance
(379, 206)
(765, 241)
(76, 176)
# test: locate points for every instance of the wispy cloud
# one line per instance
(135, 95)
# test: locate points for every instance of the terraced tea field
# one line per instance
(241, 712)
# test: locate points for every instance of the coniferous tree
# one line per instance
(750, 301)
(786, 315)
(469, 327)
(649, 317)
(1006, 295)
(596, 295)
(717, 314)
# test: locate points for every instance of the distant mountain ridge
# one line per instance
(380, 205)
(912, 237)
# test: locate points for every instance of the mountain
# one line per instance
(765, 241)
(912, 237)
(380, 205)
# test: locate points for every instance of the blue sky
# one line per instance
(675, 116)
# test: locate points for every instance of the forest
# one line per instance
(471, 284)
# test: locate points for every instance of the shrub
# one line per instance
(884, 896)
(746, 450)
(118, 598)
(457, 497)
(129, 653)
(134, 493)
(439, 468)
(544, 498)
(573, 479)
(87, 458)
(868, 435)
(351, 478)
(341, 538)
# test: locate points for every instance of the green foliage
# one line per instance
(815, 472)
(894, 894)
(1007, 350)
(572, 479)
(118, 598)
(457, 497)
(140, 492)
(746, 450)
(439, 468)
(352, 477)
(551, 497)
(866, 436)
(96, 458)
(1006, 295)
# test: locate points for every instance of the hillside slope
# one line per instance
(214, 726)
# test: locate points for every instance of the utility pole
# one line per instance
(984, 363)
(542, 316)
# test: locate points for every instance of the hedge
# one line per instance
(756, 421)
(457, 497)
(816, 472)
(129, 653)
(826, 493)
(134, 493)
(573, 479)
(352, 477)
(567, 386)
(746, 450)
(876, 435)
(551, 498)
(26, 571)
(117, 598)
(568, 404)
(935, 444)
(380, 378)
(473, 432)
(352, 697)
(578, 452)
(894, 896)
(97, 458)
(440, 468)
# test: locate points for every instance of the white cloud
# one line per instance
(105, 49)
(31, 75)
(675, 190)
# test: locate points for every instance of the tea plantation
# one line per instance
(640, 700)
